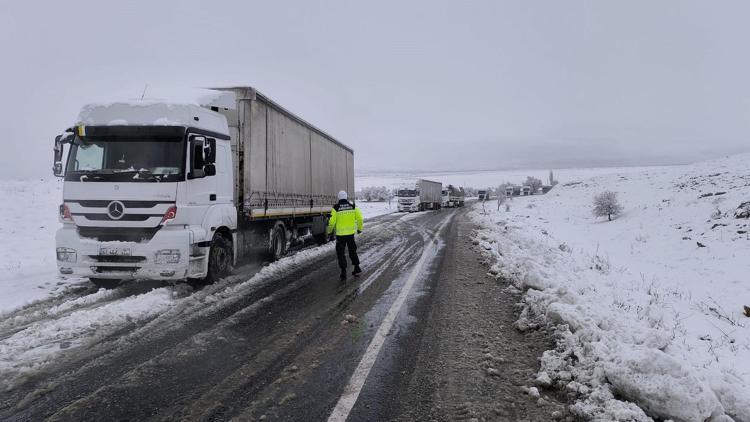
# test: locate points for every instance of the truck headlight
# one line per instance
(67, 255)
(167, 256)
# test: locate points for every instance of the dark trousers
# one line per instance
(343, 243)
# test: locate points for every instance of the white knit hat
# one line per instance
(343, 195)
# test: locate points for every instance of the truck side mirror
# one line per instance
(211, 153)
(197, 157)
(57, 167)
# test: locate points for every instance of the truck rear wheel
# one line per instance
(219, 259)
(278, 243)
(105, 283)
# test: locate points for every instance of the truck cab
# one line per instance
(408, 200)
(147, 193)
(446, 200)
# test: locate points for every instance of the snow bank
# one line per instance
(643, 313)
(27, 241)
(38, 343)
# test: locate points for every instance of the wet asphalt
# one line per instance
(283, 350)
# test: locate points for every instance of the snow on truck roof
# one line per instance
(182, 108)
(188, 110)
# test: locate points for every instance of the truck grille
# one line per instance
(116, 258)
(122, 234)
(126, 217)
(98, 203)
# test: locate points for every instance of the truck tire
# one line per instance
(105, 283)
(278, 243)
(219, 259)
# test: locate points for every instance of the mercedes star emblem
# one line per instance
(116, 210)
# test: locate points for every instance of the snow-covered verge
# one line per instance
(647, 308)
(374, 209)
(29, 220)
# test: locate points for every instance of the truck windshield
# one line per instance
(407, 192)
(120, 159)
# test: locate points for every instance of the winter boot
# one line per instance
(357, 270)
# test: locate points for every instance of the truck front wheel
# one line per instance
(219, 259)
(278, 243)
(105, 283)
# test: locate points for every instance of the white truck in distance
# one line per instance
(170, 191)
(423, 195)
(455, 196)
(483, 195)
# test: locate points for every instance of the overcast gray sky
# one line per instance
(421, 84)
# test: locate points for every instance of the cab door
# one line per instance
(201, 186)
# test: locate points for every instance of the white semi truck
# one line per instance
(422, 195)
(171, 191)
(455, 196)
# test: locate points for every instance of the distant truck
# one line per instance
(169, 191)
(453, 197)
(483, 195)
(423, 195)
(445, 201)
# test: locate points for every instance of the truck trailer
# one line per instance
(422, 195)
(173, 191)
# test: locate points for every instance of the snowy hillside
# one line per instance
(653, 300)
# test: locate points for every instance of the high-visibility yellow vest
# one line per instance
(346, 219)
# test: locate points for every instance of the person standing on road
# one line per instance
(346, 219)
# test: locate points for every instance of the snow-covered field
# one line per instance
(644, 314)
(484, 179)
(374, 209)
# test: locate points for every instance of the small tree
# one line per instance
(534, 183)
(373, 193)
(552, 181)
(606, 203)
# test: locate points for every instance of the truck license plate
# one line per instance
(110, 251)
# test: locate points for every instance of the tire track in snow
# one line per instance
(194, 347)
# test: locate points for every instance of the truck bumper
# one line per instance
(408, 208)
(165, 257)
